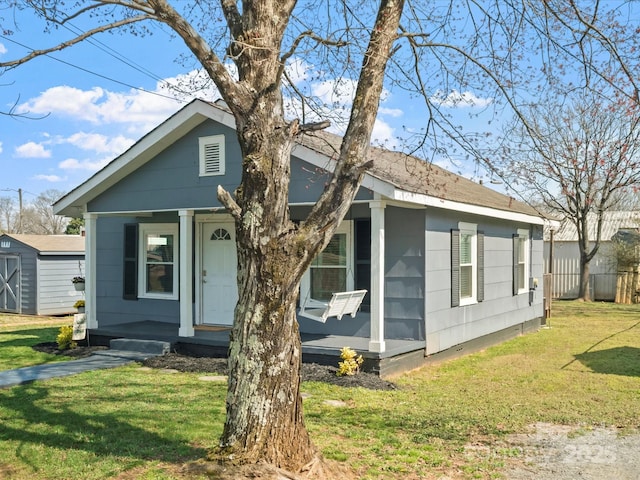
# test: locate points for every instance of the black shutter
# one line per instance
(130, 264)
(455, 267)
(516, 286)
(363, 260)
(480, 259)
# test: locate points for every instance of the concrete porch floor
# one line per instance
(399, 355)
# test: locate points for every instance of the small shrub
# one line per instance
(351, 362)
(65, 338)
(78, 304)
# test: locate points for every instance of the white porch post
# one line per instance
(90, 225)
(186, 273)
(376, 337)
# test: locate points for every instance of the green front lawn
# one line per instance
(18, 333)
(138, 423)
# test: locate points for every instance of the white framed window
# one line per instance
(158, 267)
(331, 270)
(521, 261)
(468, 263)
(211, 152)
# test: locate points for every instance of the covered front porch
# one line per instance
(399, 355)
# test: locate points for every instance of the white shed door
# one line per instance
(219, 273)
(10, 283)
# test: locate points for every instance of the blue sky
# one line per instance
(89, 103)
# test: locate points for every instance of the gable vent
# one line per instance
(212, 161)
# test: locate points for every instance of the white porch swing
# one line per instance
(340, 303)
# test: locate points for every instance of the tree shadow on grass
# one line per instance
(615, 361)
(103, 434)
(28, 337)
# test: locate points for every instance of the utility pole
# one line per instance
(19, 227)
(20, 210)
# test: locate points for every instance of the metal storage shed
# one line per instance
(36, 273)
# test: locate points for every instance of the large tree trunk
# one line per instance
(584, 293)
(264, 407)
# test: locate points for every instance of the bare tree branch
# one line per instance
(74, 41)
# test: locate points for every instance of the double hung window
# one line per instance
(158, 268)
(521, 262)
(331, 270)
(467, 265)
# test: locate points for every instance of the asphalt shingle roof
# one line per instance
(51, 243)
(415, 175)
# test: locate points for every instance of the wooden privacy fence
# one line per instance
(628, 285)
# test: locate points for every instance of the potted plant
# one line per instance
(78, 283)
(79, 305)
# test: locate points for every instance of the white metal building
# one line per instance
(603, 267)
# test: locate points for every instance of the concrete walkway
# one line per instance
(125, 351)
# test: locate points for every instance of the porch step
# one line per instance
(153, 347)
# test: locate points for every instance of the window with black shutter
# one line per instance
(130, 264)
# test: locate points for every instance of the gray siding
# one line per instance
(28, 276)
(404, 283)
(308, 182)
(171, 181)
(45, 280)
(111, 307)
(447, 326)
(404, 274)
(56, 293)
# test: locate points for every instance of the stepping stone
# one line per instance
(213, 378)
(335, 403)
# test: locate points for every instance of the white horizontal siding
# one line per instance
(56, 293)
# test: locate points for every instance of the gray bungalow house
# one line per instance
(449, 265)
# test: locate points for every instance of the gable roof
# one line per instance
(394, 175)
(416, 180)
(51, 244)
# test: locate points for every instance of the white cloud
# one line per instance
(138, 110)
(455, 99)
(0, 147)
(142, 111)
(32, 150)
(3, 49)
(392, 112)
(99, 143)
(195, 84)
(298, 70)
(383, 135)
(87, 165)
(49, 178)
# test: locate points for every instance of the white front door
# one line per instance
(219, 289)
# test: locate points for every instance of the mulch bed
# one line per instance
(78, 352)
(311, 372)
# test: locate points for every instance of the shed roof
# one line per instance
(51, 244)
(612, 221)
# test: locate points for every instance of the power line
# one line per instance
(91, 72)
(118, 56)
